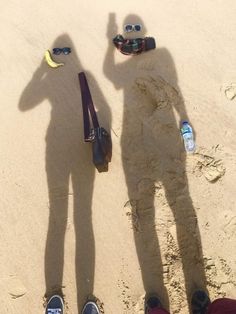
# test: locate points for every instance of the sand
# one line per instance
(159, 220)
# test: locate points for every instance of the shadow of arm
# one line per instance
(110, 68)
(182, 112)
(36, 90)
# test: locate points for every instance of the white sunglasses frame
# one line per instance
(133, 28)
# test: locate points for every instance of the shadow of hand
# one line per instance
(112, 28)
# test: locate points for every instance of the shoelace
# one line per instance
(54, 311)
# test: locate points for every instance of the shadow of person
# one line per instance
(153, 160)
(67, 158)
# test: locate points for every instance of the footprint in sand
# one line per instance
(229, 225)
(16, 288)
(219, 276)
(230, 90)
(206, 164)
(211, 274)
(131, 212)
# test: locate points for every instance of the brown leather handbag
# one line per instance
(98, 136)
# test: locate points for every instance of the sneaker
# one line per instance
(55, 305)
(200, 302)
(90, 307)
(152, 302)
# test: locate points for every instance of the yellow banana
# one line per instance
(49, 60)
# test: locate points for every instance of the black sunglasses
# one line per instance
(58, 51)
(132, 28)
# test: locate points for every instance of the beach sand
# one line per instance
(159, 220)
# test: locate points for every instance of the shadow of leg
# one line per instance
(58, 182)
(85, 244)
(145, 236)
(188, 234)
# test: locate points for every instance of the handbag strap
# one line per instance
(88, 107)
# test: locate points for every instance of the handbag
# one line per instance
(98, 136)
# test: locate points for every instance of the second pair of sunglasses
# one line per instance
(132, 28)
(58, 51)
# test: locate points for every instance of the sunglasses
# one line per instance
(58, 51)
(132, 28)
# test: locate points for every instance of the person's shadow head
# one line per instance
(70, 59)
(54, 84)
(134, 20)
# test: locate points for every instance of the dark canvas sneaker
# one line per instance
(55, 305)
(152, 302)
(90, 308)
(200, 302)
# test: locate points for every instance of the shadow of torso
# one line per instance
(150, 137)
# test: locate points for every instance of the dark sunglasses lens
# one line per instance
(128, 28)
(66, 50)
(137, 27)
(56, 51)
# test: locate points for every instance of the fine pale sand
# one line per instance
(159, 220)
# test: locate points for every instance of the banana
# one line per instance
(49, 60)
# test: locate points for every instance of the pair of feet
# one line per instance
(199, 303)
(56, 306)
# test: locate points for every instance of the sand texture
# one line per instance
(159, 220)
